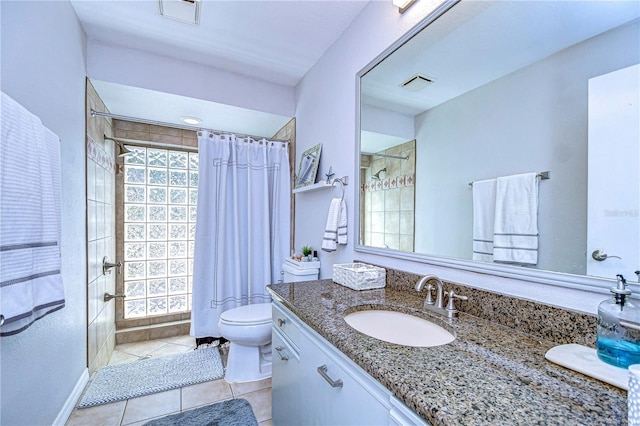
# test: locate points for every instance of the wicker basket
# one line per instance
(359, 276)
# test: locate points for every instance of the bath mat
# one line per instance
(146, 376)
(234, 412)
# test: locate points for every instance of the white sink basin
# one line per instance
(399, 328)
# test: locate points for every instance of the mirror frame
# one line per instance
(581, 282)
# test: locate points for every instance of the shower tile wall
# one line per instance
(100, 169)
(388, 201)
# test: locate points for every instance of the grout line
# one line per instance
(123, 411)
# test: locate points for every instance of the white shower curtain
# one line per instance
(242, 227)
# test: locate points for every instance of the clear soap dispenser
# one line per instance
(618, 332)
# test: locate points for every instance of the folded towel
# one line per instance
(515, 238)
(342, 223)
(30, 280)
(330, 238)
(484, 206)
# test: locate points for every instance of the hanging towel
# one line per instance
(515, 238)
(484, 206)
(30, 279)
(335, 232)
(342, 223)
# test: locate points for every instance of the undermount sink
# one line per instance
(399, 328)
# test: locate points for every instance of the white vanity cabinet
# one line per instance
(315, 384)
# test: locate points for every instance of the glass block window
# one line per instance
(160, 197)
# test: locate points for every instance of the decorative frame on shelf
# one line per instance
(308, 168)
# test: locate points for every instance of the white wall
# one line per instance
(507, 136)
(43, 68)
(325, 112)
(146, 70)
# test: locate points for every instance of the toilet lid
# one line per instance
(257, 313)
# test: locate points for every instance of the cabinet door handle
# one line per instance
(281, 322)
(282, 357)
(322, 370)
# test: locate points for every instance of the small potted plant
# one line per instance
(306, 252)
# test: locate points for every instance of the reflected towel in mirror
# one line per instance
(515, 238)
(484, 206)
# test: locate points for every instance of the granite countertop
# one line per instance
(489, 375)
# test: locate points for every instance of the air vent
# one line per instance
(181, 10)
(417, 82)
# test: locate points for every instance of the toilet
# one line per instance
(248, 330)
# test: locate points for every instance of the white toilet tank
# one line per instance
(294, 271)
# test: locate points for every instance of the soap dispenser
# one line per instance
(618, 330)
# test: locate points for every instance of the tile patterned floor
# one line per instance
(137, 411)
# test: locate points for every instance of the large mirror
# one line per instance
(493, 89)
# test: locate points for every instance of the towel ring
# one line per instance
(333, 184)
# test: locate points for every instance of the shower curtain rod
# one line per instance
(399, 157)
(177, 126)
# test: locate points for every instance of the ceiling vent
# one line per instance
(181, 10)
(417, 82)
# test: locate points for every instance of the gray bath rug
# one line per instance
(234, 412)
(146, 376)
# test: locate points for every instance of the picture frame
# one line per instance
(308, 167)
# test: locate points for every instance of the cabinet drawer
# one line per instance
(283, 322)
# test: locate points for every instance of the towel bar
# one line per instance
(542, 175)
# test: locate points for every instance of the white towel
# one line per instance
(342, 223)
(30, 281)
(515, 238)
(335, 231)
(484, 206)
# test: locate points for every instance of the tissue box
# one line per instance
(359, 276)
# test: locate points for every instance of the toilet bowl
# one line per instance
(248, 330)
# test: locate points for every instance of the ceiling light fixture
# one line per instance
(403, 5)
(191, 120)
(181, 10)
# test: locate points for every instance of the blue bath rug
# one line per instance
(146, 376)
(234, 412)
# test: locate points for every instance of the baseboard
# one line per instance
(72, 400)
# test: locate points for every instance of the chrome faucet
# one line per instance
(438, 305)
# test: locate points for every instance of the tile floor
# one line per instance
(137, 411)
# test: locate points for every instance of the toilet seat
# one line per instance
(257, 314)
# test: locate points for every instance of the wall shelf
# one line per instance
(321, 185)
(314, 187)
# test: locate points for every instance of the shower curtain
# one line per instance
(242, 227)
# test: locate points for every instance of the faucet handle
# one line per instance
(451, 307)
(429, 300)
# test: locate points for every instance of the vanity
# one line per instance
(325, 372)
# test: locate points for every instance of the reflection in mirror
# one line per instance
(388, 196)
(506, 88)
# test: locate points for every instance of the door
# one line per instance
(614, 170)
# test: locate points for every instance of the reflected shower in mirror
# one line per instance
(388, 194)
(499, 88)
